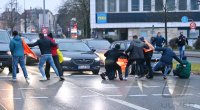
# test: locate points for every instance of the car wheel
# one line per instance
(96, 72)
(1, 70)
(27, 62)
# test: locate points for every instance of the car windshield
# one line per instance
(101, 44)
(74, 47)
(4, 37)
(31, 37)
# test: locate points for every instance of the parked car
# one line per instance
(32, 37)
(5, 54)
(29, 60)
(78, 56)
(100, 46)
(124, 46)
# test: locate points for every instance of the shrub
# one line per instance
(197, 43)
(173, 43)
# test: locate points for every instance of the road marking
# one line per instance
(4, 108)
(111, 87)
(138, 95)
(5, 76)
(131, 86)
(114, 95)
(193, 105)
(127, 104)
(38, 98)
(26, 88)
(11, 98)
(89, 96)
(151, 86)
(161, 94)
(184, 94)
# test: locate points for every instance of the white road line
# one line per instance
(185, 94)
(137, 95)
(131, 86)
(111, 87)
(151, 86)
(5, 89)
(11, 98)
(136, 107)
(5, 76)
(26, 88)
(193, 105)
(37, 98)
(4, 108)
(114, 95)
(85, 96)
(161, 94)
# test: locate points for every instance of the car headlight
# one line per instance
(67, 59)
(97, 59)
(8, 52)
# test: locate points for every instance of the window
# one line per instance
(147, 5)
(182, 4)
(123, 5)
(158, 5)
(99, 5)
(194, 5)
(111, 5)
(122, 46)
(135, 5)
(170, 5)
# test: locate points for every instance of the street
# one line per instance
(90, 92)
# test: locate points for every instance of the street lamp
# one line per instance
(44, 13)
(165, 8)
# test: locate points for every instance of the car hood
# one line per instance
(102, 51)
(79, 55)
(4, 47)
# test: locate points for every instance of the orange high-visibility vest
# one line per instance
(28, 51)
(151, 48)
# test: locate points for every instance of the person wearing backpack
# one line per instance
(182, 41)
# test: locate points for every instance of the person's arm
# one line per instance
(34, 44)
(159, 49)
(129, 48)
(177, 59)
(53, 44)
(106, 54)
(11, 47)
(186, 40)
(163, 40)
(146, 46)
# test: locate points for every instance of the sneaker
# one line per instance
(43, 79)
(164, 77)
(136, 76)
(62, 79)
(121, 78)
(126, 78)
(103, 76)
(149, 77)
(27, 79)
(14, 80)
(48, 78)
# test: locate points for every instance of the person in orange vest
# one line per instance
(147, 55)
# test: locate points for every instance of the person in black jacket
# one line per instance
(111, 63)
(45, 49)
(166, 60)
(136, 53)
(182, 41)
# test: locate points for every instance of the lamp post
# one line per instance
(25, 22)
(44, 13)
(165, 8)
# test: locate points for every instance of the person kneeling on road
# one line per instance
(165, 63)
(111, 63)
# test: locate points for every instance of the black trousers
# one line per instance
(111, 69)
(148, 62)
(58, 66)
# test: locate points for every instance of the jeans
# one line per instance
(47, 58)
(15, 61)
(130, 62)
(182, 51)
(58, 66)
(162, 66)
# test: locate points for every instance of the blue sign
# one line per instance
(184, 19)
(101, 18)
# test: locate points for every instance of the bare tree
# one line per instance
(78, 9)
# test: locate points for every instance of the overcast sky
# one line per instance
(52, 5)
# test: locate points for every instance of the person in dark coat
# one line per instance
(159, 40)
(136, 53)
(111, 63)
(166, 61)
(182, 41)
(55, 59)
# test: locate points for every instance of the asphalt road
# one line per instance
(90, 92)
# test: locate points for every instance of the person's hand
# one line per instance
(184, 66)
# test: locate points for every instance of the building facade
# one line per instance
(120, 19)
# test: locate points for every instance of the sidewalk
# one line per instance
(190, 53)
